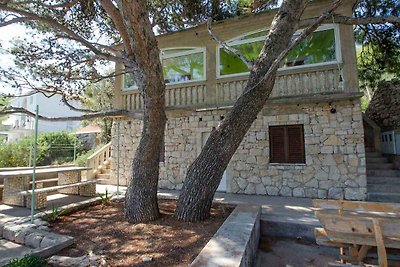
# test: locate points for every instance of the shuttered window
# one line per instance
(286, 144)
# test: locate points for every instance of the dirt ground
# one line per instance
(103, 230)
(292, 253)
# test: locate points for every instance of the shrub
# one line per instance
(82, 157)
(27, 261)
(52, 148)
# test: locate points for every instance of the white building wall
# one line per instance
(23, 125)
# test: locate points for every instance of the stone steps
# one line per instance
(383, 173)
(384, 188)
(377, 160)
(393, 180)
(380, 166)
(383, 181)
(373, 155)
(384, 197)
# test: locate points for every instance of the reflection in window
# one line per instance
(319, 47)
(232, 64)
(179, 65)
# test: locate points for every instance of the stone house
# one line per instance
(308, 141)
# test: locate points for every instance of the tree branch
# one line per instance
(116, 17)
(248, 63)
(14, 20)
(62, 28)
(89, 116)
(355, 21)
(72, 107)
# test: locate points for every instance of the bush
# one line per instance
(81, 159)
(27, 261)
(52, 148)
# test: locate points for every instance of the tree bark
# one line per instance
(141, 196)
(205, 174)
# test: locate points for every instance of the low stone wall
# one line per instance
(35, 236)
(236, 241)
(384, 108)
(334, 149)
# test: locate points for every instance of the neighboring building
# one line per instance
(89, 135)
(384, 110)
(308, 141)
(22, 125)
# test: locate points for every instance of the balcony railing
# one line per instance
(303, 82)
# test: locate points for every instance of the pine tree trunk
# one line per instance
(141, 196)
(205, 174)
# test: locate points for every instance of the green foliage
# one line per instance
(105, 199)
(54, 214)
(364, 103)
(27, 261)
(52, 148)
(82, 157)
(379, 57)
(99, 97)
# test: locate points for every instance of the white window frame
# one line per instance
(235, 41)
(194, 50)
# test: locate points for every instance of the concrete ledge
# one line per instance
(284, 225)
(236, 241)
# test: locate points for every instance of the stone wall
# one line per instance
(334, 148)
(384, 108)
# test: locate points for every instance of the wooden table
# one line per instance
(19, 180)
(358, 226)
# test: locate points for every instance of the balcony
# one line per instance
(303, 82)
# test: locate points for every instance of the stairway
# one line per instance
(103, 176)
(100, 164)
(383, 181)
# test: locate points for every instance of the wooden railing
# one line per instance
(303, 82)
(99, 161)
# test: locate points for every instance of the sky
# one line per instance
(6, 35)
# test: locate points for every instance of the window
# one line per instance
(179, 66)
(318, 48)
(286, 144)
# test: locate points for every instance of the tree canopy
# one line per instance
(380, 43)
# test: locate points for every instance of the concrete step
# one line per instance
(380, 166)
(103, 176)
(106, 171)
(377, 160)
(372, 154)
(290, 226)
(394, 180)
(383, 173)
(384, 197)
(384, 188)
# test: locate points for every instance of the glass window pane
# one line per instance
(129, 81)
(232, 64)
(317, 48)
(184, 68)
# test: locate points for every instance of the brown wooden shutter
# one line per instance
(277, 144)
(295, 143)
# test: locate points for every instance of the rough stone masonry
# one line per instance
(334, 149)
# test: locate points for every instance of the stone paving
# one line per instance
(16, 226)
